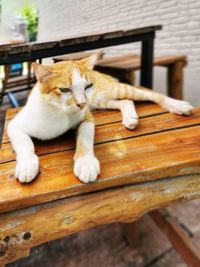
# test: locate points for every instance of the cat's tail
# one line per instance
(125, 91)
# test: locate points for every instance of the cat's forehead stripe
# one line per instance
(62, 77)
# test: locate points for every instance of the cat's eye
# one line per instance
(88, 86)
(64, 90)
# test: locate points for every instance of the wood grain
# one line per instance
(22, 48)
(129, 61)
(101, 116)
(133, 61)
(154, 166)
(127, 161)
(60, 218)
(106, 133)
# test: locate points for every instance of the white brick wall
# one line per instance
(180, 20)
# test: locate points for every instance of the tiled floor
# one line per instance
(106, 246)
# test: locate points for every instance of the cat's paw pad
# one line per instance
(27, 169)
(130, 122)
(178, 107)
(86, 168)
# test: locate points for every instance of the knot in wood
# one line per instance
(68, 219)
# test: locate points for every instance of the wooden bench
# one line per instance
(124, 67)
(17, 83)
(153, 166)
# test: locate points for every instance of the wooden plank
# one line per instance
(118, 61)
(132, 62)
(101, 116)
(87, 37)
(114, 131)
(122, 162)
(72, 215)
(128, 61)
(71, 40)
(13, 254)
(19, 82)
(43, 45)
(22, 48)
(129, 32)
(4, 48)
(74, 56)
(178, 238)
(81, 55)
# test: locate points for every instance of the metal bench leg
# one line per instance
(146, 75)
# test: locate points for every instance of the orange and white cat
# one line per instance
(60, 101)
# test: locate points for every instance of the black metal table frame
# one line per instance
(147, 39)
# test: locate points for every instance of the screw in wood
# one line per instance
(27, 236)
(2, 253)
(11, 176)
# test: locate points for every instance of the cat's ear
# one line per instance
(42, 72)
(91, 61)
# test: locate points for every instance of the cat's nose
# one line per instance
(81, 105)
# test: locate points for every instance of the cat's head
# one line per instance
(63, 84)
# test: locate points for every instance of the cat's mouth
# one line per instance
(75, 109)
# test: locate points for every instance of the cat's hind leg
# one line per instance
(27, 162)
(172, 105)
(125, 91)
(127, 108)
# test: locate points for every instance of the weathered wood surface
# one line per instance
(163, 145)
(128, 61)
(102, 117)
(133, 62)
(31, 226)
(116, 131)
(7, 49)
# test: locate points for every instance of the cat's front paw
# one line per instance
(27, 168)
(87, 168)
(177, 106)
(130, 122)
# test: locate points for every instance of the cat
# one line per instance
(62, 99)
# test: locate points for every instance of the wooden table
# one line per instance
(31, 51)
(153, 166)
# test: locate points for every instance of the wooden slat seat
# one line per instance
(16, 83)
(124, 67)
(162, 139)
(153, 166)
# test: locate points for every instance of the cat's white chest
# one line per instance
(44, 127)
(42, 122)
